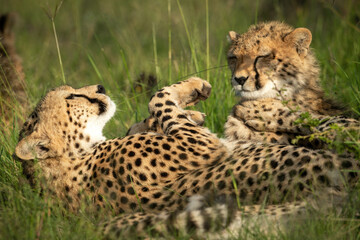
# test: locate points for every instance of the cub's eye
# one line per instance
(271, 55)
(71, 96)
(232, 58)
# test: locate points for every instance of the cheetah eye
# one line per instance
(71, 96)
(270, 55)
(232, 58)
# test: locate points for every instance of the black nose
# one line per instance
(241, 80)
(101, 89)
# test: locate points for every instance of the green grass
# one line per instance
(113, 42)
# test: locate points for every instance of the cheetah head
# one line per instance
(66, 121)
(271, 59)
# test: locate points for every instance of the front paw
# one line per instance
(191, 91)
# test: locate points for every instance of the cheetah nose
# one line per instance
(101, 89)
(241, 80)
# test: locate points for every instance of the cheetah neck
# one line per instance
(61, 176)
(314, 101)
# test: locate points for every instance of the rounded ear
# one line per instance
(232, 36)
(32, 147)
(300, 38)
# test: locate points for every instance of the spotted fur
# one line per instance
(154, 172)
(276, 75)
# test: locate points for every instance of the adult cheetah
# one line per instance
(154, 172)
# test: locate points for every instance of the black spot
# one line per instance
(295, 154)
(281, 177)
(157, 195)
(305, 159)
(289, 162)
(137, 145)
(131, 191)
(323, 179)
(221, 185)
(142, 177)
(109, 183)
(169, 103)
(250, 181)
(113, 195)
(123, 200)
(346, 164)
(274, 164)
(302, 172)
(243, 162)
(133, 207)
(183, 156)
(153, 162)
(208, 175)
(166, 146)
(242, 175)
(160, 95)
(329, 165)
(164, 174)
(254, 168)
(243, 193)
(316, 169)
(138, 162)
(123, 151)
(207, 185)
(292, 173)
(129, 166)
(283, 153)
(166, 118)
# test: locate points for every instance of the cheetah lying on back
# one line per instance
(277, 77)
(155, 172)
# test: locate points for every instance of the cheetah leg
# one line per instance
(166, 106)
(272, 116)
(150, 124)
(237, 130)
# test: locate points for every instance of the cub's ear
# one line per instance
(232, 36)
(33, 147)
(300, 38)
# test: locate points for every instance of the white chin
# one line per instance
(111, 108)
(96, 124)
(268, 91)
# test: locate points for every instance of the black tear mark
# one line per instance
(257, 81)
(102, 105)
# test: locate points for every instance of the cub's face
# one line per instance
(270, 60)
(66, 121)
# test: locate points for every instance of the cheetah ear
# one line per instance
(232, 36)
(300, 38)
(33, 147)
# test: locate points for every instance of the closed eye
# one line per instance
(71, 96)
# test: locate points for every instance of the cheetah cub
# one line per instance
(276, 75)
